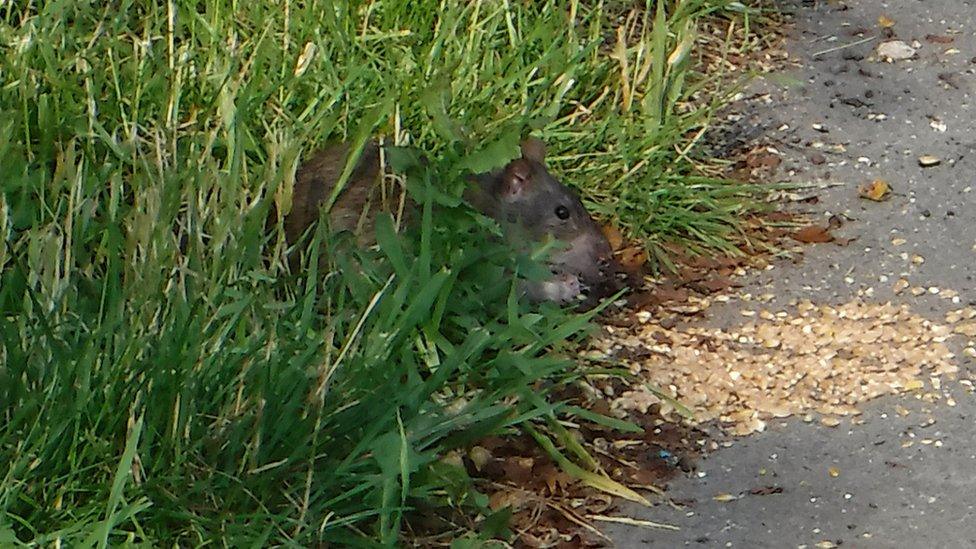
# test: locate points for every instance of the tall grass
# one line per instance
(167, 378)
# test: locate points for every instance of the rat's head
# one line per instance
(531, 204)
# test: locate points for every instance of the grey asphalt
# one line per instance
(885, 495)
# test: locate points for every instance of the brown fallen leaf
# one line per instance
(885, 22)
(813, 234)
(717, 284)
(876, 190)
(642, 300)
(766, 490)
(668, 293)
(518, 470)
(763, 159)
(614, 236)
(515, 499)
(939, 39)
(553, 477)
(632, 258)
(687, 274)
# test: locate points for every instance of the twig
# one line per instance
(636, 522)
(844, 46)
(572, 517)
(654, 489)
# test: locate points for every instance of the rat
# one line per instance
(523, 197)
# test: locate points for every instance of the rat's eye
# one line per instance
(562, 212)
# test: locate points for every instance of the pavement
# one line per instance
(884, 492)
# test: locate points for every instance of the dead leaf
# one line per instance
(642, 300)
(668, 293)
(876, 190)
(687, 274)
(763, 159)
(895, 50)
(518, 470)
(885, 22)
(480, 456)
(502, 499)
(553, 477)
(766, 491)
(632, 258)
(813, 234)
(717, 283)
(614, 236)
(939, 39)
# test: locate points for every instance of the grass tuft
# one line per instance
(169, 379)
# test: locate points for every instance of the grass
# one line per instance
(168, 379)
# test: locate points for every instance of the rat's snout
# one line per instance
(561, 288)
(589, 257)
(584, 269)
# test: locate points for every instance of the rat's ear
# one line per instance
(516, 179)
(534, 149)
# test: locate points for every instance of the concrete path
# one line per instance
(885, 494)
